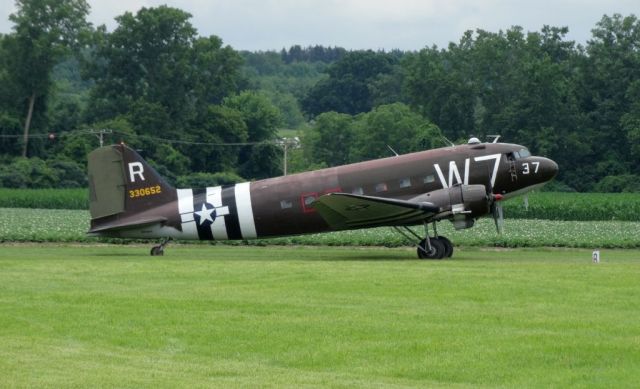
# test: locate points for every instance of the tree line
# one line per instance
(204, 113)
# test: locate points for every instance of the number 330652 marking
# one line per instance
(142, 192)
(527, 170)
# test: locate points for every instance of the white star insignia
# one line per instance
(205, 214)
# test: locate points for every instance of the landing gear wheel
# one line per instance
(157, 250)
(437, 250)
(448, 246)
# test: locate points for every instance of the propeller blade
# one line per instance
(496, 207)
(497, 212)
(500, 218)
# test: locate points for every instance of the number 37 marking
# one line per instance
(527, 170)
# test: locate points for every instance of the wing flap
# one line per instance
(345, 211)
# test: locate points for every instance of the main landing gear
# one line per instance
(159, 249)
(436, 247)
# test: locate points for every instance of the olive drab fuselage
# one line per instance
(286, 205)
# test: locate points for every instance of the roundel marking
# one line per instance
(206, 215)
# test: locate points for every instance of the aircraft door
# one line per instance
(511, 161)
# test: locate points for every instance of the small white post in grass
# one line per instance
(596, 256)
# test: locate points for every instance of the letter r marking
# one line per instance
(135, 169)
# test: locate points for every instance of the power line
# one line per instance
(186, 142)
(5, 136)
(101, 132)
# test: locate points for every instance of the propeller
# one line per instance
(496, 207)
(498, 213)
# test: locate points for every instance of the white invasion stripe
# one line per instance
(185, 204)
(218, 227)
(185, 208)
(189, 230)
(245, 211)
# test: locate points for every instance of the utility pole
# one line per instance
(100, 134)
(285, 143)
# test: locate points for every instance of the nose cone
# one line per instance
(548, 168)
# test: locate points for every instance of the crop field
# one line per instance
(542, 205)
(44, 198)
(111, 316)
(50, 225)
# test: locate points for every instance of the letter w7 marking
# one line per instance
(455, 173)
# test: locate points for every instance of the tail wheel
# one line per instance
(157, 250)
(448, 246)
(437, 250)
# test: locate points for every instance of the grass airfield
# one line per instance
(202, 316)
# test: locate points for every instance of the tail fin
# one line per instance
(124, 189)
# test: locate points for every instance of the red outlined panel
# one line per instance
(306, 199)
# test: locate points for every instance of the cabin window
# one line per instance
(429, 179)
(381, 187)
(405, 183)
(357, 191)
(307, 200)
(285, 204)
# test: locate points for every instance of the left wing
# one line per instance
(344, 211)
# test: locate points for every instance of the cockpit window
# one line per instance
(523, 153)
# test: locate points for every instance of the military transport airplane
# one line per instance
(129, 199)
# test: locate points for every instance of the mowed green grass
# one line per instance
(202, 316)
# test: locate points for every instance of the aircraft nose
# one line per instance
(548, 168)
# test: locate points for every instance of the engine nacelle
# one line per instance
(461, 203)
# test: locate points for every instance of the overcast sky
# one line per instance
(363, 24)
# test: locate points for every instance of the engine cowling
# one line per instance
(460, 203)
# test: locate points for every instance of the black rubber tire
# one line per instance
(436, 252)
(157, 250)
(448, 252)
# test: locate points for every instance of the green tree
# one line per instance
(439, 85)
(154, 60)
(524, 87)
(28, 173)
(337, 139)
(217, 71)
(262, 119)
(395, 126)
(630, 122)
(223, 125)
(10, 113)
(329, 140)
(10, 127)
(44, 32)
(611, 90)
(347, 90)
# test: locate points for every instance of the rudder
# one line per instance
(121, 184)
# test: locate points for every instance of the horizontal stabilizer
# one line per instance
(346, 211)
(124, 224)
